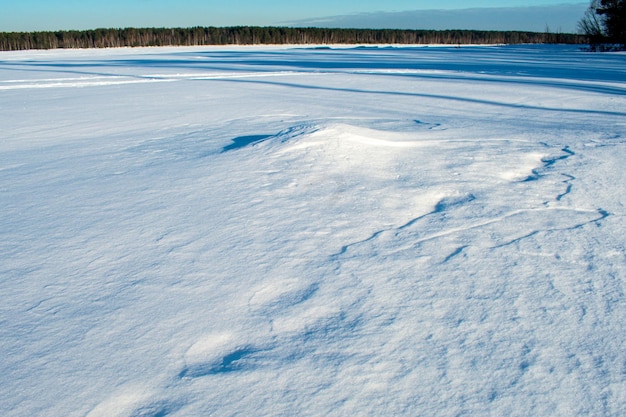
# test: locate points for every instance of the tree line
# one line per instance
(248, 35)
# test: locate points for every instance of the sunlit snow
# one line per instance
(313, 231)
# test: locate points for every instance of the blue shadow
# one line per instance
(243, 141)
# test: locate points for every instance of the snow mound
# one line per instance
(215, 354)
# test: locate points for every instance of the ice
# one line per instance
(304, 231)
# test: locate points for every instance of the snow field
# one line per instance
(281, 231)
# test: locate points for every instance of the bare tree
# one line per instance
(591, 24)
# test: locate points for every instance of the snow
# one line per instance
(307, 231)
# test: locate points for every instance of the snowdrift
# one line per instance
(275, 231)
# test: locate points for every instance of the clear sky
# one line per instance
(33, 15)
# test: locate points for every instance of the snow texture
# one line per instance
(313, 231)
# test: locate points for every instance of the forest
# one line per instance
(249, 35)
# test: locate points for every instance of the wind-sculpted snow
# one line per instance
(276, 231)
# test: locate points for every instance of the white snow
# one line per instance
(305, 231)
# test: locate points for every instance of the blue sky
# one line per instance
(31, 15)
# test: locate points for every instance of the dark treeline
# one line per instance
(246, 35)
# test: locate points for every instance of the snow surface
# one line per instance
(313, 231)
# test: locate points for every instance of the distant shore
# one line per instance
(252, 35)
